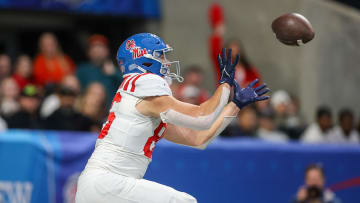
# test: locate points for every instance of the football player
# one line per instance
(143, 112)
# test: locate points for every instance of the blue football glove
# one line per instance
(249, 94)
(227, 69)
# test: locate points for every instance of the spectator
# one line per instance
(66, 117)
(246, 124)
(295, 119)
(51, 65)
(280, 101)
(192, 87)
(267, 129)
(8, 97)
(314, 190)
(92, 104)
(294, 125)
(3, 125)
(99, 68)
(245, 72)
(27, 117)
(319, 131)
(23, 70)
(345, 132)
(52, 102)
(190, 94)
(5, 66)
(263, 106)
(287, 116)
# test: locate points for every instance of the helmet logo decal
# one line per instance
(130, 44)
(137, 52)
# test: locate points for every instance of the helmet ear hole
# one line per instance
(120, 62)
(147, 64)
(164, 71)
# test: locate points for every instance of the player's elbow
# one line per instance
(201, 147)
(199, 144)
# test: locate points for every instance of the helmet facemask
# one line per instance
(160, 55)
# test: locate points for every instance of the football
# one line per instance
(293, 29)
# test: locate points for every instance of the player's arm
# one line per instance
(187, 136)
(201, 139)
(198, 117)
(226, 81)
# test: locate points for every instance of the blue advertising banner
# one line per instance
(43, 166)
(241, 170)
(133, 8)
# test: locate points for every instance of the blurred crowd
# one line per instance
(51, 92)
(278, 119)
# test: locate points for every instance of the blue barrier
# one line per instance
(42, 166)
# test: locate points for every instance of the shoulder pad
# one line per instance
(145, 85)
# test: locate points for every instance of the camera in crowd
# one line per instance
(314, 190)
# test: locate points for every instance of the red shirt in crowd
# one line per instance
(21, 81)
(52, 70)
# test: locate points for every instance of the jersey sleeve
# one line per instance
(146, 85)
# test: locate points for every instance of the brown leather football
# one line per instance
(293, 29)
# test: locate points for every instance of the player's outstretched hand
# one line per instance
(249, 94)
(227, 69)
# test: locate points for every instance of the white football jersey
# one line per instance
(127, 139)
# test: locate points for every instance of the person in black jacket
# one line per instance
(66, 117)
(28, 116)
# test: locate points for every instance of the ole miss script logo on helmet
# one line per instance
(136, 51)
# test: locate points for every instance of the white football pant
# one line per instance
(101, 186)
